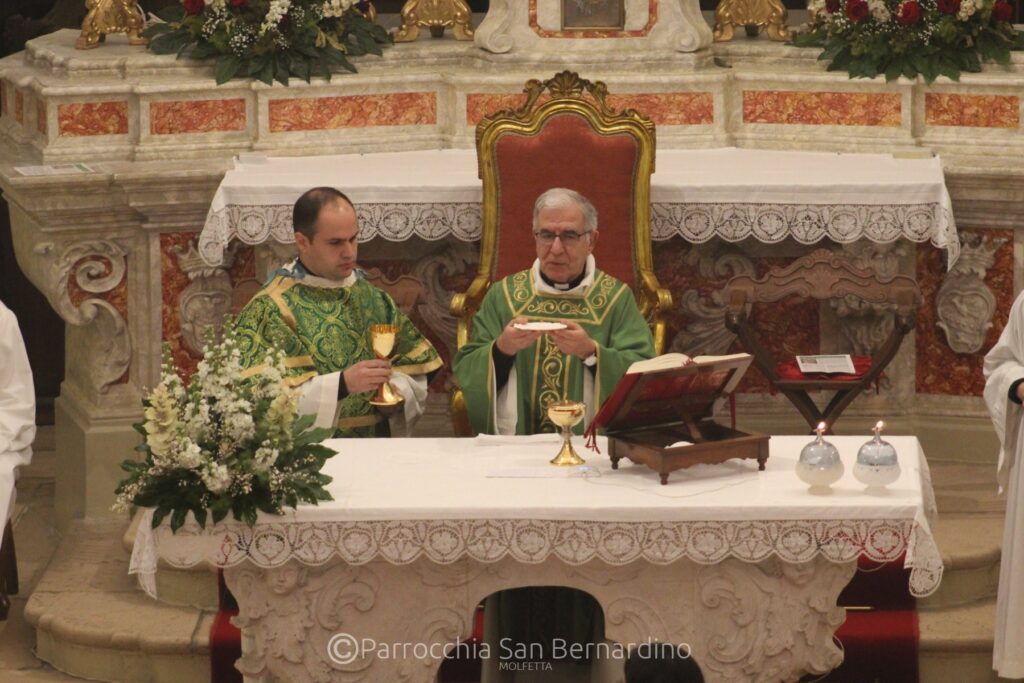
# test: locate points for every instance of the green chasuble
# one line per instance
(323, 328)
(607, 312)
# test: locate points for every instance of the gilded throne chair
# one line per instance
(564, 135)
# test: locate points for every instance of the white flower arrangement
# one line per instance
(271, 40)
(231, 441)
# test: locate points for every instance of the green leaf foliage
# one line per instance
(939, 44)
(302, 44)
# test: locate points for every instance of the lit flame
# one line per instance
(879, 425)
(821, 426)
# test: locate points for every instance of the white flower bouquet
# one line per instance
(269, 39)
(231, 441)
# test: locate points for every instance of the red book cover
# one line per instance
(661, 389)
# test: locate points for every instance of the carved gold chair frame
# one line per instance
(565, 93)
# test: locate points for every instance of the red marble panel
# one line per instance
(669, 108)
(92, 118)
(116, 297)
(652, 19)
(40, 116)
(353, 111)
(665, 109)
(479, 105)
(19, 106)
(822, 108)
(196, 116)
(173, 281)
(977, 111)
(940, 369)
(788, 328)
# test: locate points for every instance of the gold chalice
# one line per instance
(382, 341)
(567, 414)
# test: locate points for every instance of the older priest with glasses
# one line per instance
(509, 374)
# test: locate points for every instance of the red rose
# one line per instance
(832, 6)
(857, 10)
(193, 7)
(1002, 11)
(949, 6)
(909, 13)
(243, 3)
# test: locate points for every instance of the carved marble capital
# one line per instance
(205, 302)
(964, 304)
(96, 267)
(867, 325)
(705, 332)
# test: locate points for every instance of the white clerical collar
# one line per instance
(296, 270)
(579, 290)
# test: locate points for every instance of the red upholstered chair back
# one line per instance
(566, 152)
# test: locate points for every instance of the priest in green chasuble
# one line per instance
(510, 375)
(319, 310)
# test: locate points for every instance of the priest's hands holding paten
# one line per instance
(573, 340)
(512, 340)
(366, 375)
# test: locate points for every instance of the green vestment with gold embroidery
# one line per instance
(326, 329)
(607, 312)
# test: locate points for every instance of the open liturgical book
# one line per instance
(661, 414)
(668, 380)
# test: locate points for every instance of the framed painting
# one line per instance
(579, 15)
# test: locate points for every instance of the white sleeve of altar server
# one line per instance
(320, 398)
(17, 409)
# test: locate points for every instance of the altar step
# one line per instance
(92, 620)
(956, 644)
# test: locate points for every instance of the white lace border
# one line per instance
(270, 545)
(694, 221)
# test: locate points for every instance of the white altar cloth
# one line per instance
(400, 499)
(728, 193)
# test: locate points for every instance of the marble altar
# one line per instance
(706, 561)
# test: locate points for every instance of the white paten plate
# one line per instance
(540, 326)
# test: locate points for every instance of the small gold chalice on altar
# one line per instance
(382, 341)
(566, 414)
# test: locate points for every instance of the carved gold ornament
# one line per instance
(434, 15)
(111, 16)
(752, 15)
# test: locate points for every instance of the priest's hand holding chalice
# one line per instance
(382, 341)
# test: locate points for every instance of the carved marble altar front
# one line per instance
(112, 248)
(295, 618)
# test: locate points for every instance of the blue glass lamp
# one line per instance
(877, 465)
(819, 465)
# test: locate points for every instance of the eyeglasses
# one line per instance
(570, 238)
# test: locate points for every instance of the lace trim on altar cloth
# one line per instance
(533, 541)
(694, 222)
